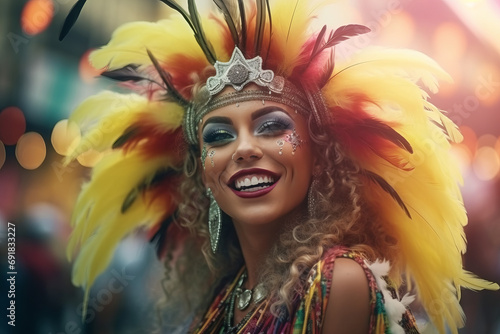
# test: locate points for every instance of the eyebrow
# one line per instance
(267, 110)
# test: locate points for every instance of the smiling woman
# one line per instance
(245, 142)
(286, 193)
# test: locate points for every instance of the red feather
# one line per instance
(366, 136)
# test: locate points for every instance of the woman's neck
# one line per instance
(256, 242)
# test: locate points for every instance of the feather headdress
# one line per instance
(376, 101)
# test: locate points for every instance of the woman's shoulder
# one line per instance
(352, 287)
(348, 307)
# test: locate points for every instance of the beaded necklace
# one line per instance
(220, 317)
(238, 292)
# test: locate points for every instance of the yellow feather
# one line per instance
(104, 117)
(163, 38)
(432, 241)
(99, 224)
(290, 23)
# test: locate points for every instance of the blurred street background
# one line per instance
(42, 80)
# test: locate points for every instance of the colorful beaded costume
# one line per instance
(308, 315)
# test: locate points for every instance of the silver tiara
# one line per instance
(238, 72)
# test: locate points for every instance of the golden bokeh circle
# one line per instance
(31, 150)
(65, 137)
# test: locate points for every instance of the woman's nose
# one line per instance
(248, 149)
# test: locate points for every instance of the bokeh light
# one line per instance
(65, 136)
(486, 163)
(472, 3)
(400, 32)
(89, 158)
(470, 138)
(31, 150)
(462, 156)
(3, 154)
(88, 73)
(486, 140)
(450, 45)
(12, 125)
(36, 16)
(497, 146)
(487, 89)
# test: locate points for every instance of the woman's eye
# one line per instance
(217, 136)
(274, 126)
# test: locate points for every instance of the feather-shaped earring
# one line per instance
(312, 197)
(214, 221)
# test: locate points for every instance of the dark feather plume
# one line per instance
(319, 41)
(160, 236)
(192, 18)
(341, 34)
(387, 188)
(146, 184)
(127, 134)
(260, 25)
(167, 79)
(127, 73)
(243, 18)
(385, 131)
(199, 34)
(71, 18)
(270, 19)
(227, 9)
(175, 6)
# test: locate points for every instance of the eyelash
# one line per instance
(215, 136)
(275, 125)
(269, 127)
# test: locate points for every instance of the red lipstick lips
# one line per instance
(252, 174)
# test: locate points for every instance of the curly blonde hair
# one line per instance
(340, 218)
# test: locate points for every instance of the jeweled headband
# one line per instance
(239, 72)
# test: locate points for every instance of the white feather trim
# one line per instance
(395, 308)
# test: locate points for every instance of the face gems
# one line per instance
(211, 155)
(280, 143)
(293, 139)
(203, 155)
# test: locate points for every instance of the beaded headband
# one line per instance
(239, 72)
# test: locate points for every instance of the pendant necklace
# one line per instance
(244, 298)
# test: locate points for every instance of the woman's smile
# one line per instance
(253, 182)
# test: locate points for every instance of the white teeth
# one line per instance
(253, 181)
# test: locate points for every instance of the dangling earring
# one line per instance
(312, 197)
(214, 221)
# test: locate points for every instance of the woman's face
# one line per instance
(257, 160)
